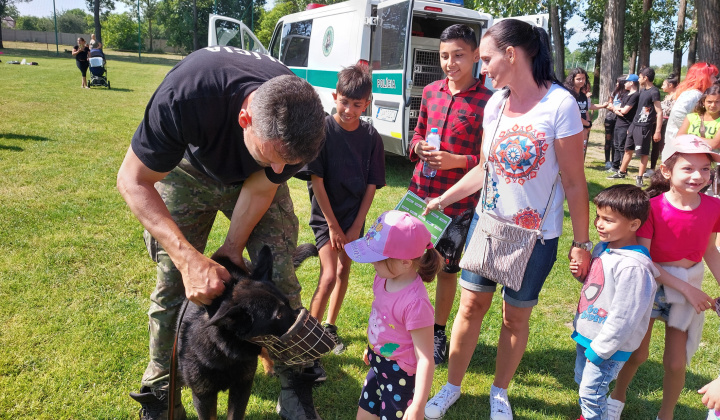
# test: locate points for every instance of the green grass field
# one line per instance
(75, 278)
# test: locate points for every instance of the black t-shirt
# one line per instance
(628, 99)
(583, 104)
(646, 114)
(194, 114)
(82, 53)
(348, 162)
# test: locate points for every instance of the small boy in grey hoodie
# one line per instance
(616, 299)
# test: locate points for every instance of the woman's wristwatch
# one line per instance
(587, 246)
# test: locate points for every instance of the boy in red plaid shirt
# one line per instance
(454, 106)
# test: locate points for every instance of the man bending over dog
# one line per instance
(223, 132)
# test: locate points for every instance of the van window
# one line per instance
(275, 43)
(392, 33)
(295, 45)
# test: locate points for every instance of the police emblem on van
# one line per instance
(328, 39)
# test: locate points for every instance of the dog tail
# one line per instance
(303, 252)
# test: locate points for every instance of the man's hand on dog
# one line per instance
(204, 279)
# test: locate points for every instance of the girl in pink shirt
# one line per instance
(679, 234)
(400, 331)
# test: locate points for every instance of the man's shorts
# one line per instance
(639, 139)
(452, 242)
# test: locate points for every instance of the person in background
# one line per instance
(577, 83)
(80, 52)
(455, 106)
(700, 76)
(669, 86)
(613, 102)
(704, 121)
(516, 55)
(625, 114)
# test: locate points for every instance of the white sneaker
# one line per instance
(615, 408)
(440, 403)
(649, 173)
(499, 404)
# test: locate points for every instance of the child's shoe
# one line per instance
(499, 404)
(332, 332)
(615, 408)
(439, 404)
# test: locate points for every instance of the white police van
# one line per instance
(398, 39)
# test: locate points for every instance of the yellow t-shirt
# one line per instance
(711, 127)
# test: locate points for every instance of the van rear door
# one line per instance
(231, 32)
(391, 94)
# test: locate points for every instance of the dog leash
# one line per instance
(173, 364)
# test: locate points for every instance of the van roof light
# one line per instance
(311, 6)
(433, 9)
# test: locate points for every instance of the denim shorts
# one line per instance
(541, 262)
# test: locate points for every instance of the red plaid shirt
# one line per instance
(458, 119)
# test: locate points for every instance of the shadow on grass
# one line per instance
(13, 136)
(12, 148)
(398, 171)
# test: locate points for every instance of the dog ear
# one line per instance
(263, 265)
(232, 316)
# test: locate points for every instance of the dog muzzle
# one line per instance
(304, 342)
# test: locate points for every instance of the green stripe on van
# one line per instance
(320, 78)
(390, 83)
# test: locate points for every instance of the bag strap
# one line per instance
(487, 175)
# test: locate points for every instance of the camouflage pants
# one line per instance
(194, 200)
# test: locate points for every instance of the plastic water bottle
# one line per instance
(433, 140)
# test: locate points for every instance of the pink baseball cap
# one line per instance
(687, 143)
(395, 234)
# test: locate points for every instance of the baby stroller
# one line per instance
(98, 72)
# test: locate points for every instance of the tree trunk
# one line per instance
(708, 34)
(150, 34)
(678, 47)
(645, 33)
(96, 16)
(633, 61)
(692, 48)
(195, 28)
(611, 62)
(558, 41)
(596, 71)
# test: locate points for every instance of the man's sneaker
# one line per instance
(440, 403)
(318, 371)
(295, 401)
(608, 165)
(639, 181)
(615, 408)
(649, 173)
(499, 404)
(332, 332)
(618, 175)
(154, 404)
(440, 341)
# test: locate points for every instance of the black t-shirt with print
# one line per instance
(646, 114)
(194, 114)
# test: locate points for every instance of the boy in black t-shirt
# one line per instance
(342, 183)
(646, 125)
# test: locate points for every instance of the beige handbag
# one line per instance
(500, 250)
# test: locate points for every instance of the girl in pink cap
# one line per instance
(400, 330)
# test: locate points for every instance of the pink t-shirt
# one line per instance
(678, 234)
(392, 318)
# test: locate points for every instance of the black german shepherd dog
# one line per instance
(213, 354)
